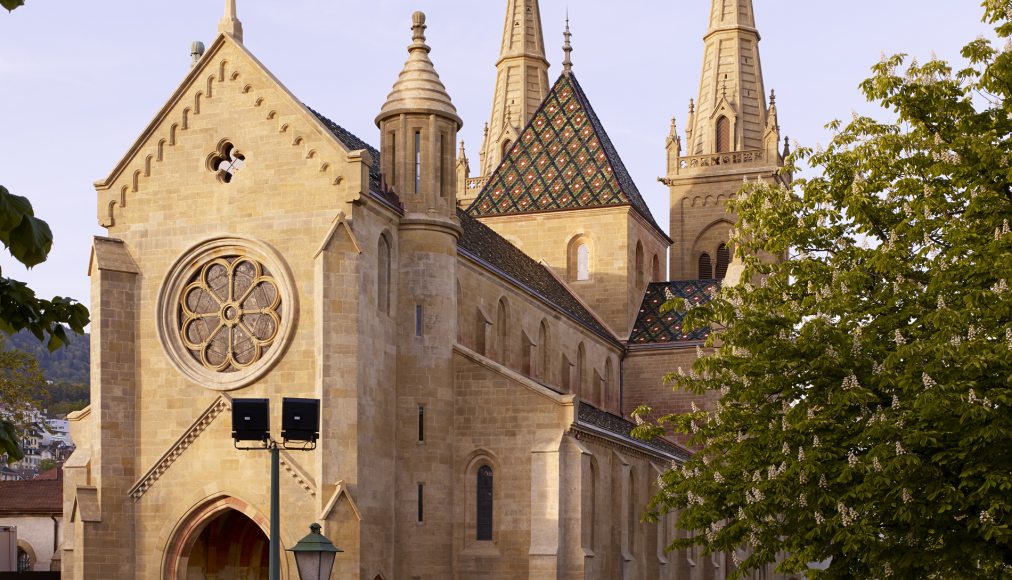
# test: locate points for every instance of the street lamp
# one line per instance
(314, 555)
(300, 424)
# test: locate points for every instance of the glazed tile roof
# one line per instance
(613, 424)
(562, 160)
(31, 497)
(652, 326)
(481, 242)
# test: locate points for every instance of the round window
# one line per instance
(226, 312)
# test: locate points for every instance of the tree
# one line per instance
(21, 386)
(865, 418)
(11, 4)
(46, 465)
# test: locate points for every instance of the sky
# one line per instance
(80, 81)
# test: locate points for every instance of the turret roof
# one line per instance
(562, 160)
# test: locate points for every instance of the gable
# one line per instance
(562, 160)
(233, 91)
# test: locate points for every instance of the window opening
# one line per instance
(383, 277)
(705, 268)
(226, 162)
(639, 264)
(484, 501)
(582, 262)
(723, 135)
(393, 158)
(418, 160)
(442, 166)
(656, 269)
(418, 320)
(421, 503)
(421, 423)
(723, 259)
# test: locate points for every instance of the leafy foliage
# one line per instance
(866, 379)
(21, 385)
(11, 4)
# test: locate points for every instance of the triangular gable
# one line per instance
(340, 491)
(563, 160)
(208, 65)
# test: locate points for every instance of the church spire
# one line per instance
(521, 79)
(567, 48)
(731, 113)
(229, 23)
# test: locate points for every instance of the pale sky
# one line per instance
(79, 81)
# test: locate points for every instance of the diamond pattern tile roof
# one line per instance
(653, 327)
(562, 160)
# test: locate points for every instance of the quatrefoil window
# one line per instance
(229, 313)
(226, 162)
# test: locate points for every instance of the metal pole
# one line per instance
(275, 547)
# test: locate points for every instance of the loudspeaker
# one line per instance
(300, 419)
(251, 419)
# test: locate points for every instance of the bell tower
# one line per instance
(731, 135)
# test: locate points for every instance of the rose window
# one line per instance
(229, 313)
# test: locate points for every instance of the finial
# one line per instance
(567, 48)
(773, 97)
(196, 51)
(229, 23)
(486, 128)
(418, 27)
(461, 154)
(692, 106)
(674, 130)
(787, 146)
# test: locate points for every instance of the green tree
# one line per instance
(46, 465)
(11, 4)
(21, 387)
(865, 419)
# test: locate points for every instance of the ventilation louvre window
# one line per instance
(705, 267)
(723, 135)
(484, 504)
(723, 259)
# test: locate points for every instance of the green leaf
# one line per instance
(11, 4)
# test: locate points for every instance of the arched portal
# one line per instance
(221, 540)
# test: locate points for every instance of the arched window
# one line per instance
(543, 351)
(480, 330)
(24, 561)
(705, 268)
(484, 504)
(640, 274)
(383, 275)
(723, 134)
(502, 331)
(655, 268)
(581, 371)
(582, 262)
(723, 259)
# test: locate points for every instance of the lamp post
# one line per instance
(300, 425)
(314, 555)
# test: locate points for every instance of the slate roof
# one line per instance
(481, 242)
(353, 143)
(652, 326)
(562, 160)
(589, 415)
(31, 497)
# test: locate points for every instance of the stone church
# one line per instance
(477, 341)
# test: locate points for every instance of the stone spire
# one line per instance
(229, 23)
(418, 88)
(521, 79)
(731, 87)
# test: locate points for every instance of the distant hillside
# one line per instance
(69, 364)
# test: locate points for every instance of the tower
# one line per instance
(730, 135)
(419, 125)
(521, 81)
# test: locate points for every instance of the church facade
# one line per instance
(476, 342)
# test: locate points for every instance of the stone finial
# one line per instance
(196, 51)
(787, 146)
(773, 98)
(567, 48)
(418, 88)
(229, 23)
(692, 106)
(674, 127)
(462, 154)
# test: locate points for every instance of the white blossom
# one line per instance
(852, 459)
(899, 449)
(898, 337)
(1000, 287)
(819, 519)
(876, 464)
(848, 515)
(815, 442)
(986, 517)
(801, 453)
(905, 494)
(928, 381)
(823, 484)
(941, 302)
(718, 477)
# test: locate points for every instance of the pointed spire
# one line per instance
(731, 84)
(521, 78)
(567, 48)
(229, 23)
(418, 87)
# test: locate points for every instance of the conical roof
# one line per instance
(418, 88)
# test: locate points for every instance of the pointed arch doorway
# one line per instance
(224, 539)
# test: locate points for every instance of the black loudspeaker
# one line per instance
(300, 419)
(251, 419)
